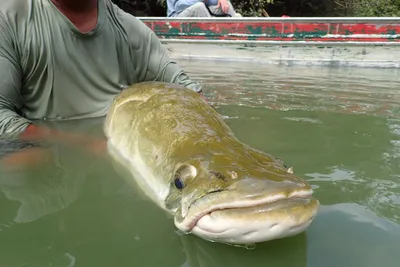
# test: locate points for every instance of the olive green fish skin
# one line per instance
(183, 156)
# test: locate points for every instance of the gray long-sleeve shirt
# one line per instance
(50, 70)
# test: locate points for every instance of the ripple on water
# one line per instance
(300, 119)
(370, 180)
(299, 87)
(336, 174)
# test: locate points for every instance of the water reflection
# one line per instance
(109, 226)
(348, 234)
(51, 184)
(44, 189)
(284, 252)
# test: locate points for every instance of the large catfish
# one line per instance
(180, 153)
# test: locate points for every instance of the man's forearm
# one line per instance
(159, 66)
(11, 124)
(183, 79)
(14, 125)
(171, 72)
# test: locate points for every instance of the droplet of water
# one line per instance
(250, 246)
(181, 233)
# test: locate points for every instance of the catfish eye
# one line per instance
(184, 173)
(179, 183)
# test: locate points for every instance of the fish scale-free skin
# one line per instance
(231, 192)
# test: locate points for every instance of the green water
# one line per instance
(338, 128)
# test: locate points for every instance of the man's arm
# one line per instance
(11, 123)
(156, 64)
(14, 125)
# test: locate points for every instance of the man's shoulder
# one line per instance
(128, 21)
(12, 7)
(13, 15)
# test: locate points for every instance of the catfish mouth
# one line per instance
(249, 220)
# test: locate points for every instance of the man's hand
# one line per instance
(96, 146)
(204, 98)
(38, 156)
(35, 133)
(224, 5)
(27, 158)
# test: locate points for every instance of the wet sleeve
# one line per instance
(156, 64)
(11, 123)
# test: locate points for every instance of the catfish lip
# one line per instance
(188, 223)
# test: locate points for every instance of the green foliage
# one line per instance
(376, 8)
(251, 8)
(319, 8)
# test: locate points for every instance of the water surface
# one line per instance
(338, 128)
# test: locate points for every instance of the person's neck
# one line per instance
(76, 6)
(82, 13)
